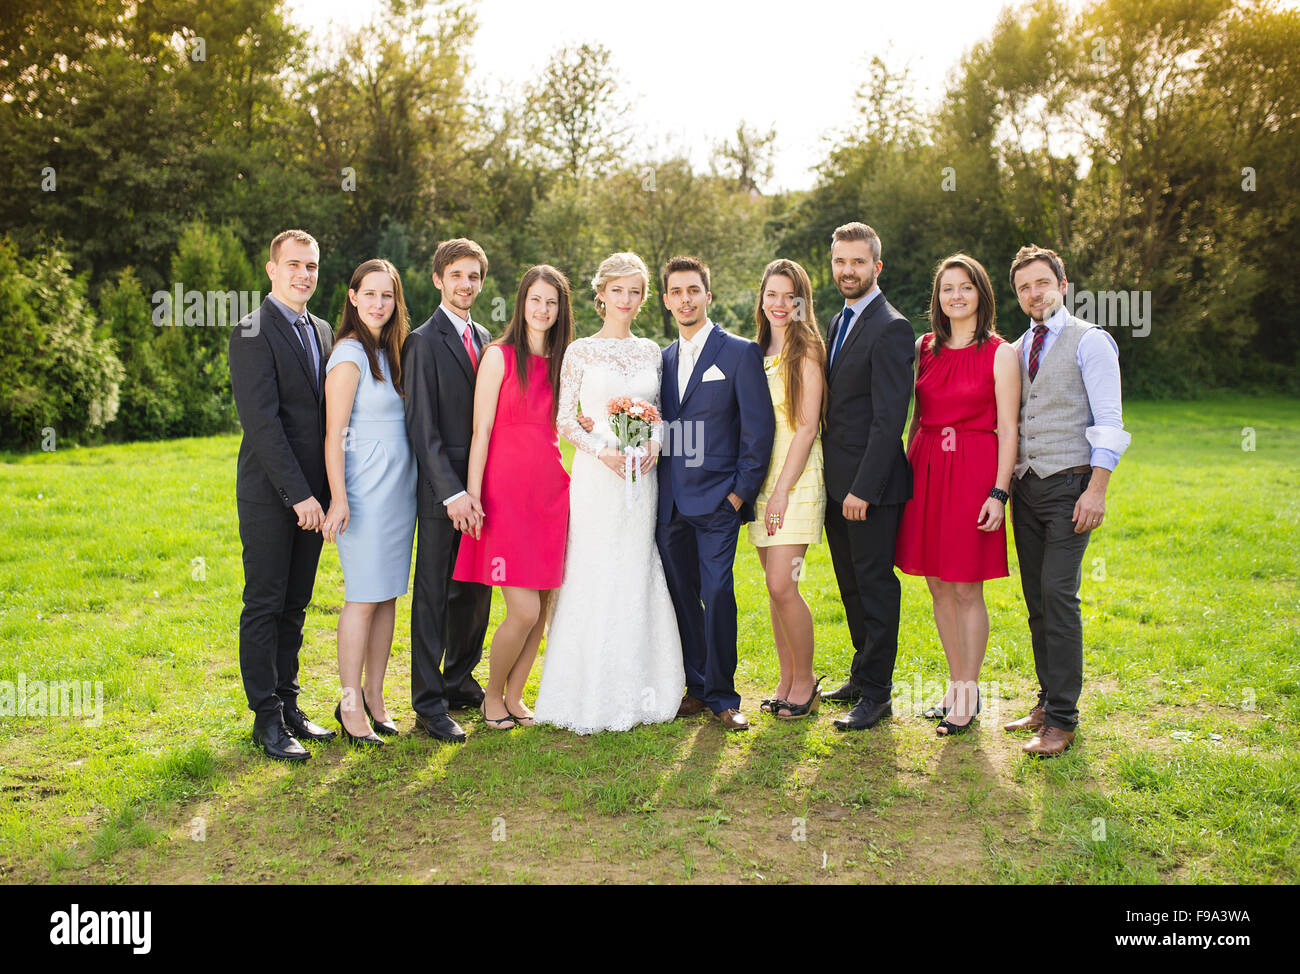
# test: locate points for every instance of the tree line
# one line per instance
(1153, 143)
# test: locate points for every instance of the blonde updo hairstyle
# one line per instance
(625, 264)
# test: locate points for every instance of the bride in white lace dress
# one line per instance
(613, 657)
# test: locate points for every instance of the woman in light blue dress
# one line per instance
(372, 479)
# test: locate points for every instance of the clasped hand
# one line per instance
(466, 515)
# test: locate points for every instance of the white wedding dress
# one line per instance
(613, 658)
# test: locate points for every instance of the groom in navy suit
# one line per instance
(720, 424)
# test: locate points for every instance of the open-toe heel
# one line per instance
(798, 710)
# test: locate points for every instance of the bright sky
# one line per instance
(695, 68)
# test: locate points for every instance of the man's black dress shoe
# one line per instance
(848, 693)
(278, 743)
(299, 726)
(865, 713)
(440, 727)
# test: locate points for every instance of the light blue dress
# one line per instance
(380, 474)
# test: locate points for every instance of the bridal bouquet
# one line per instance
(632, 421)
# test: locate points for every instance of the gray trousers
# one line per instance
(1051, 568)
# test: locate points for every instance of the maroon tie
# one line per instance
(1035, 350)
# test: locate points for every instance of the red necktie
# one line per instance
(469, 348)
(1036, 349)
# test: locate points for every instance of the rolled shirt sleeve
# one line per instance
(1098, 358)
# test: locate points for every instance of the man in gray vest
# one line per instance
(1071, 438)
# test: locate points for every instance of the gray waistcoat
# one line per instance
(1054, 409)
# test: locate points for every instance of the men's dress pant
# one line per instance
(862, 553)
(279, 572)
(698, 555)
(1051, 568)
(449, 621)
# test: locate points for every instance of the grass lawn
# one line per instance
(121, 564)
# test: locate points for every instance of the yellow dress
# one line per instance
(806, 511)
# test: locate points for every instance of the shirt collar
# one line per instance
(701, 336)
(288, 312)
(861, 303)
(460, 323)
(1055, 321)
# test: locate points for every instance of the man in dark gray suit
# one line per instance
(277, 376)
(448, 618)
(868, 480)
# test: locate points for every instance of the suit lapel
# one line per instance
(453, 341)
(290, 335)
(324, 342)
(856, 329)
(830, 336)
(672, 393)
(711, 348)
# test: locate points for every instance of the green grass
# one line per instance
(121, 564)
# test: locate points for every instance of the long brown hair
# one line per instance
(395, 329)
(803, 339)
(986, 315)
(557, 338)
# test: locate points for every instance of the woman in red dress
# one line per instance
(962, 448)
(518, 478)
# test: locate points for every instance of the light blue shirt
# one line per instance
(1098, 359)
(290, 315)
(313, 353)
(858, 306)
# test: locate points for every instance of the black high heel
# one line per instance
(951, 730)
(385, 727)
(798, 710)
(369, 741)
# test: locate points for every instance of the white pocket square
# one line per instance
(714, 374)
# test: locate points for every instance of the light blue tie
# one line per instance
(845, 320)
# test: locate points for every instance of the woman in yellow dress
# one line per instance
(791, 506)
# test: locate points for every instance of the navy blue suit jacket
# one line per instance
(718, 434)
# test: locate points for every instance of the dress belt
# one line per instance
(927, 428)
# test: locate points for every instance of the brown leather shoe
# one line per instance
(1049, 742)
(1031, 721)
(733, 720)
(690, 706)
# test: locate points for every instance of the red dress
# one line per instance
(954, 458)
(525, 490)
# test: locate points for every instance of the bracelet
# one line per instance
(999, 494)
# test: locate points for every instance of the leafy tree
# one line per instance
(55, 373)
(576, 117)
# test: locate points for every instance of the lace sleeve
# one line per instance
(570, 386)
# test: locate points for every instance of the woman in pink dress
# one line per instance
(962, 448)
(517, 478)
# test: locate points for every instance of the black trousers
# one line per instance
(863, 555)
(449, 621)
(1051, 568)
(279, 572)
(698, 555)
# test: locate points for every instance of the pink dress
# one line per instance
(525, 490)
(954, 457)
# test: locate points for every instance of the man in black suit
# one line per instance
(868, 480)
(277, 375)
(448, 618)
